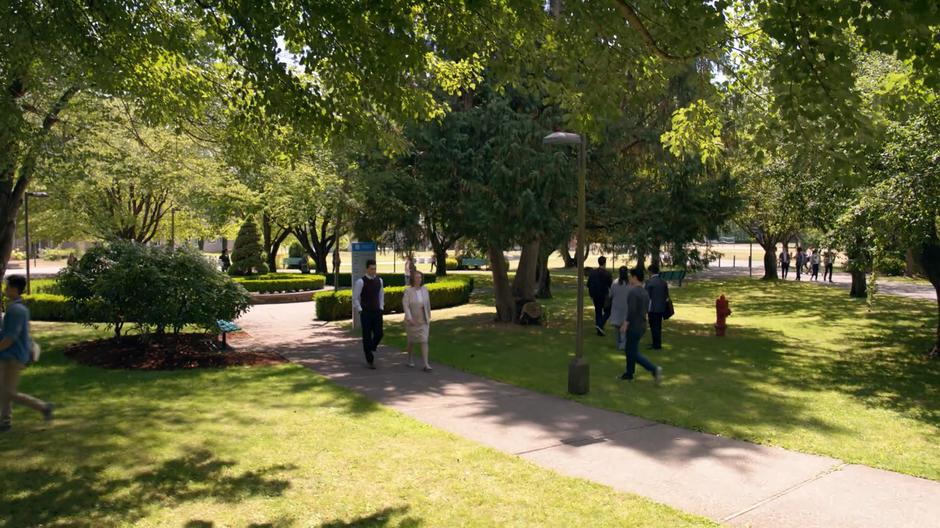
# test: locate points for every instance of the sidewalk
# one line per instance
(839, 280)
(733, 482)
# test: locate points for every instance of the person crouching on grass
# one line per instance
(16, 351)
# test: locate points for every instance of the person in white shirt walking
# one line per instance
(369, 302)
(416, 304)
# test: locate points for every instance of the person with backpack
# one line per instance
(599, 282)
(658, 291)
(16, 351)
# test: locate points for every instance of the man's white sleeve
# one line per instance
(357, 291)
(381, 294)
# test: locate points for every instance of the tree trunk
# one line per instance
(543, 275)
(272, 236)
(266, 243)
(524, 285)
(770, 262)
(928, 257)
(570, 262)
(859, 284)
(440, 261)
(17, 167)
(502, 291)
(656, 254)
(440, 248)
(641, 259)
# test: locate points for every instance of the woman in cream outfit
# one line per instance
(417, 307)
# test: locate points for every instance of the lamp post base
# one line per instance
(579, 375)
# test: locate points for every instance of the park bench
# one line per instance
(677, 275)
(476, 263)
(297, 263)
(225, 328)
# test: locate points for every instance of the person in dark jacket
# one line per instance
(224, 261)
(598, 288)
(658, 290)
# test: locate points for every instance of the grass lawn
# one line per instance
(803, 367)
(270, 446)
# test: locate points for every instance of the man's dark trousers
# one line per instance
(372, 333)
(656, 329)
(601, 311)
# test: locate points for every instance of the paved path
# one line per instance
(839, 280)
(737, 483)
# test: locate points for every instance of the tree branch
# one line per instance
(633, 18)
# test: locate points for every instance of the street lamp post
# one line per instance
(37, 194)
(578, 369)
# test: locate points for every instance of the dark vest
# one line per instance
(369, 297)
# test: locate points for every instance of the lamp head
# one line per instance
(562, 138)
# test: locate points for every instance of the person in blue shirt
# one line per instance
(15, 353)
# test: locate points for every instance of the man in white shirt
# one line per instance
(368, 300)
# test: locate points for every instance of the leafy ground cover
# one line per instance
(274, 446)
(803, 367)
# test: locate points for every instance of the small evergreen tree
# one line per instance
(246, 255)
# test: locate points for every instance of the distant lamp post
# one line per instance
(36, 194)
(578, 370)
(172, 227)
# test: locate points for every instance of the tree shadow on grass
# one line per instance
(387, 517)
(87, 496)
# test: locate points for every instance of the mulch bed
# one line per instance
(188, 351)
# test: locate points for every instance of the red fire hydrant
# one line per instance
(723, 311)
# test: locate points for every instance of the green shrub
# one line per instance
(246, 255)
(891, 266)
(281, 283)
(154, 288)
(337, 305)
(389, 279)
(452, 264)
(18, 254)
(50, 307)
(44, 286)
(55, 254)
(295, 250)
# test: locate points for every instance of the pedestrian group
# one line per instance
(628, 306)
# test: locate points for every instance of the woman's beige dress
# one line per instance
(417, 314)
(418, 327)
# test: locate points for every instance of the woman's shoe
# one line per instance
(427, 369)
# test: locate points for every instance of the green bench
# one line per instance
(476, 263)
(226, 327)
(677, 276)
(297, 263)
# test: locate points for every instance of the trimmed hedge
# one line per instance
(284, 282)
(389, 279)
(334, 306)
(50, 307)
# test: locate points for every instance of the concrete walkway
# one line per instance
(733, 482)
(839, 280)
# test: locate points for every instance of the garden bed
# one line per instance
(188, 351)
